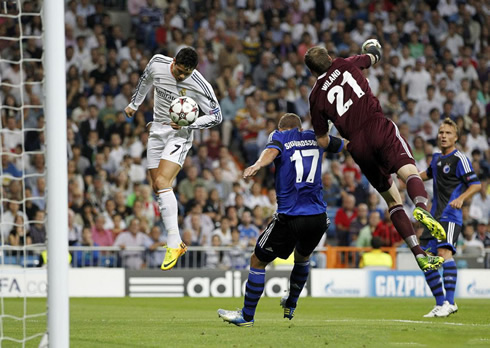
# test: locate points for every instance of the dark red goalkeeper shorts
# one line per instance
(380, 150)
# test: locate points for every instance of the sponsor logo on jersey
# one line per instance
(163, 93)
(329, 80)
(446, 169)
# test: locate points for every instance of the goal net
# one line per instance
(24, 318)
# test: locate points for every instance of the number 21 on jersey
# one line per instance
(298, 157)
(337, 92)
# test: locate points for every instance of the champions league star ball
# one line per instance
(370, 42)
(183, 111)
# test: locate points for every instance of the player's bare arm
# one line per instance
(470, 191)
(331, 143)
(424, 176)
(323, 140)
(266, 157)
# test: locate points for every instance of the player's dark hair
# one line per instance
(451, 123)
(317, 60)
(289, 121)
(187, 57)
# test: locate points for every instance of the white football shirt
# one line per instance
(166, 88)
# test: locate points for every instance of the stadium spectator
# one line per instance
(133, 237)
(200, 231)
(366, 233)
(201, 160)
(472, 245)
(217, 259)
(248, 231)
(153, 244)
(11, 134)
(256, 197)
(483, 233)
(480, 203)
(357, 189)
(376, 258)
(37, 228)
(92, 123)
(19, 236)
(477, 141)
(100, 235)
(344, 217)
(411, 117)
(188, 185)
(387, 233)
(89, 258)
(331, 190)
(358, 223)
(39, 193)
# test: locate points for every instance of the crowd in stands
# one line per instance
(436, 63)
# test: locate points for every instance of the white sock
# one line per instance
(168, 210)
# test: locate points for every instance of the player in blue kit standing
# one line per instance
(454, 182)
(300, 220)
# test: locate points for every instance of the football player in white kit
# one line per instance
(169, 143)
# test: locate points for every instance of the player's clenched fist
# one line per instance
(130, 112)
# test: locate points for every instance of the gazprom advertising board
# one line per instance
(377, 283)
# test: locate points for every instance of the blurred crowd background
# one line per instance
(436, 61)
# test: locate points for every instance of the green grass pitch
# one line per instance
(192, 322)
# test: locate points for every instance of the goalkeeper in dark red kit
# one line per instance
(343, 96)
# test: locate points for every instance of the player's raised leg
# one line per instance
(162, 178)
(404, 227)
(416, 190)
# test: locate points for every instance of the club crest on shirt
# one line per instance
(446, 169)
(183, 92)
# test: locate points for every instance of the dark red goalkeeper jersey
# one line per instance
(342, 95)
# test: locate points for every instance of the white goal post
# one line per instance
(32, 85)
(57, 198)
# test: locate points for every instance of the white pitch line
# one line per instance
(401, 321)
(359, 321)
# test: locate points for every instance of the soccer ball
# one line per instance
(183, 111)
(370, 42)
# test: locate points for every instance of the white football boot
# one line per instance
(451, 308)
(438, 312)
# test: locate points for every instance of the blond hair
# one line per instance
(451, 123)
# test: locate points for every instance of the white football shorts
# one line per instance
(167, 143)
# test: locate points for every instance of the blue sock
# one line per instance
(434, 280)
(450, 274)
(253, 291)
(297, 282)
